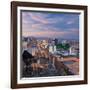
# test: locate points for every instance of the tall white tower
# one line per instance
(52, 48)
(70, 50)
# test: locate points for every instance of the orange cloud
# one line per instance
(38, 18)
(44, 34)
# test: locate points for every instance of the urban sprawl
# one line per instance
(43, 57)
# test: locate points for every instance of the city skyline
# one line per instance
(51, 25)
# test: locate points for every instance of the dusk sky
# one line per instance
(52, 25)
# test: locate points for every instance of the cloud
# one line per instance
(70, 22)
(50, 33)
(48, 25)
(44, 34)
(38, 18)
(74, 30)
